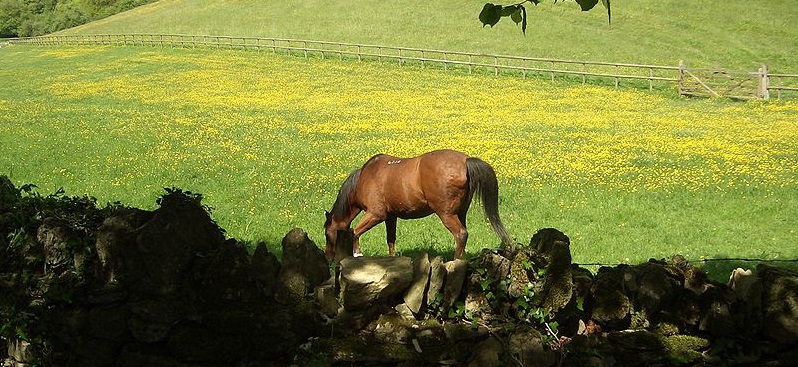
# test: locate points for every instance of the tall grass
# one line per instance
(268, 140)
(736, 34)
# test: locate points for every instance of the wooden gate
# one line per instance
(723, 83)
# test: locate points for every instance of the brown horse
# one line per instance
(387, 188)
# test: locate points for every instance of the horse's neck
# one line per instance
(346, 218)
(343, 209)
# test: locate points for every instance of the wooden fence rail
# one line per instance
(687, 81)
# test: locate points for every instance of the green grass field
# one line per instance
(268, 139)
(735, 34)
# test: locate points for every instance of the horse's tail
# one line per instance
(482, 183)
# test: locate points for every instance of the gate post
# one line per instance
(764, 82)
(680, 81)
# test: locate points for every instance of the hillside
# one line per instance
(739, 34)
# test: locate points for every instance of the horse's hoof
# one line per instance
(358, 254)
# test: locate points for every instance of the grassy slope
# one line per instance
(736, 34)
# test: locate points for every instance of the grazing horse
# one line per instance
(387, 188)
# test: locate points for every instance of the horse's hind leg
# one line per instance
(390, 231)
(456, 225)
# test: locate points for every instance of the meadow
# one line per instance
(268, 139)
(734, 34)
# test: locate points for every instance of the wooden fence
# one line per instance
(692, 82)
(733, 84)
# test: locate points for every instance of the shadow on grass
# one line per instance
(415, 252)
(719, 269)
(448, 252)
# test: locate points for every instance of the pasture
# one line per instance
(268, 140)
(735, 34)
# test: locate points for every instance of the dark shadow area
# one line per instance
(273, 246)
(119, 286)
(415, 252)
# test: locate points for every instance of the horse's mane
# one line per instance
(341, 206)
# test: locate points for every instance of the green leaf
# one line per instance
(526, 265)
(490, 14)
(587, 4)
(542, 272)
(508, 10)
(516, 16)
(503, 285)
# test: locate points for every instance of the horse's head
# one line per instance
(331, 228)
(342, 213)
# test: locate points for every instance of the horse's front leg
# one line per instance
(390, 231)
(367, 222)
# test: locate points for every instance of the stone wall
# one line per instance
(129, 287)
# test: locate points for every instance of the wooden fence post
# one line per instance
(680, 78)
(764, 82)
(650, 80)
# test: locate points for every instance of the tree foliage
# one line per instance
(492, 13)
(24, 18)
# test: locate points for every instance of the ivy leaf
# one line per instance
(516, 16)
(587, 4)
(509, 10)
(490, 14)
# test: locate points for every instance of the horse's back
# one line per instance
(446, 154)
(414, 187)
(441, 164)
(431, 166)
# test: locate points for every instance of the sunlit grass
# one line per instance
(734, 34)
(268, 140)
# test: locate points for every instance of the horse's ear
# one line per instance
(328, 215)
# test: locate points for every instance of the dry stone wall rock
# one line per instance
(166, 288)
(367, 281)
